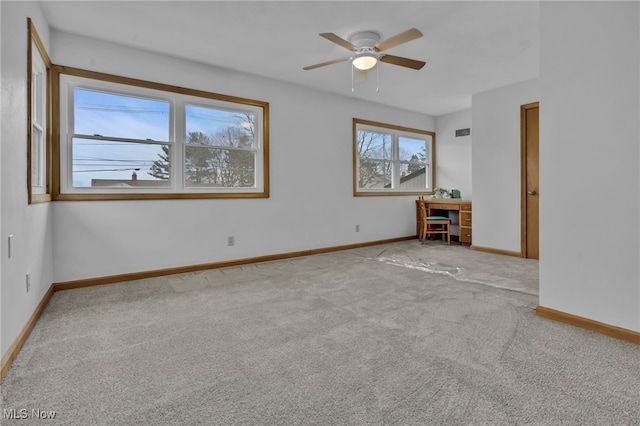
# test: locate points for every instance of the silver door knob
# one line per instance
(531, 192)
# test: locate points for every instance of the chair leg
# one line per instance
(442, 229)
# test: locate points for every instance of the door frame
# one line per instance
(523, 175)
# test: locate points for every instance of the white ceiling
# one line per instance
(469, 46)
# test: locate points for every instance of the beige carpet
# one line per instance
(397, 334)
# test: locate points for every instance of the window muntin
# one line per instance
(133, 141)
(391, 159)
(38, 143)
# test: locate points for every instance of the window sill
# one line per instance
(158, 196)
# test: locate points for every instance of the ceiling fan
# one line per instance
(367, 51)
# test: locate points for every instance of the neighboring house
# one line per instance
(413, 180)
(128, 182)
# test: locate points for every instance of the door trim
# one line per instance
(523, 175)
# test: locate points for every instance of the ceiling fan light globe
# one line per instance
(365, 62)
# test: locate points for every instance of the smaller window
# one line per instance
(392, 160)
(38, 139)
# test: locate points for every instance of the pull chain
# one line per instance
(353, 90)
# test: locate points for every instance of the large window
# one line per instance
(392, 160)
(122, 138)
(38, 65)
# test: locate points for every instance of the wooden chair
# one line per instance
(433, 225)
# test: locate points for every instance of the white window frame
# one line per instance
(396, 132)
(39, 139)
(178, 98)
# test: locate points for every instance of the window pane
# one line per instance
(209, 126)
(100, 163)
(374, 145)
(38, 122)
(38, 90)
(207, 166)
(37, 159)
(374, 152)
(120, 116)
(412, 150)
(374, 174)
(412, 156)
(413, 176)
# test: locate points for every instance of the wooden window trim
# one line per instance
(34, 38)
(58, 70)
(381, 193)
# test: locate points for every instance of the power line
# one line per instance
(121, 160)
(105, 170)
(121, 108)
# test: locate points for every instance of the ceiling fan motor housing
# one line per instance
(365, 39)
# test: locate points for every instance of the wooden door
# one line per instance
(530, 191)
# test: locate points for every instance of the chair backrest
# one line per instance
(423, 209)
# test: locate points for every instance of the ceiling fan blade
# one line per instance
(403, 62)
(335, 61)
(339, 40)
(397, 39)
(361, 75)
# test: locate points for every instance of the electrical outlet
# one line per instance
(231, 240)
(28, 282)
(357, 228)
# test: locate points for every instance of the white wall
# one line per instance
(453, 154)
(311, 203)
(453, 158)
(590, 160)
(496, 164)
(30, 225)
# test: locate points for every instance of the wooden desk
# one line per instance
(435, 207)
